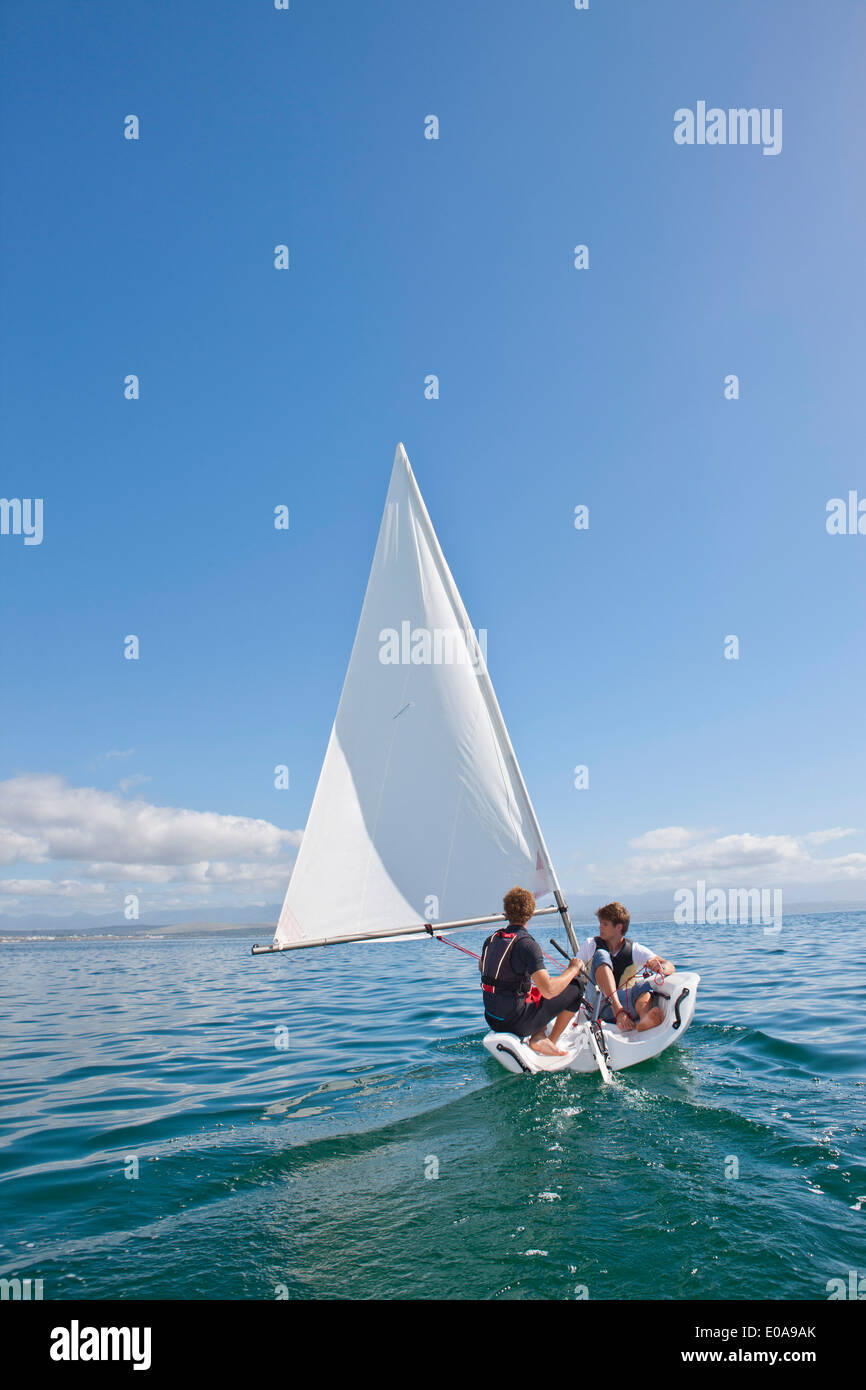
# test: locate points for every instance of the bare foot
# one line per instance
(651, 1019)
(546, 1048)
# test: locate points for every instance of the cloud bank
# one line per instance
(109, 844)
(674, 856)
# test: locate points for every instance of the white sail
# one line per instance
(420, 813)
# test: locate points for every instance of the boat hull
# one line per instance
(624, 1049)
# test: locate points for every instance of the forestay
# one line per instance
(420, 812)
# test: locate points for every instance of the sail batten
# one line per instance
(421, 812)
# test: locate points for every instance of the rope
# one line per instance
(437, 936)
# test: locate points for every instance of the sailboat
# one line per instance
(421, 819)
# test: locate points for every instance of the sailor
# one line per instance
(519, 995)
(614, 994)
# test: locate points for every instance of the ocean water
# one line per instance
(183, 1121)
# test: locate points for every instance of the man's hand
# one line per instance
(659, 966)
(550, 988)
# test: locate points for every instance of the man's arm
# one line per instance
(645, 959)
(660, 965)
(549, 987)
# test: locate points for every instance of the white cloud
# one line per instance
(135, 779)
(117, 845)
(823, 837)
(82, 894)
(670, 837)
(15, 848)
(673, 857)
(848, 865)
(266, 876)
(729, 852)
(53, 820)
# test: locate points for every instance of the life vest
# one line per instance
(622, 961)
(497, 974)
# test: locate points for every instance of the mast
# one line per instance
(518, 777)
(561, 905)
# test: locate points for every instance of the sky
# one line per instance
(559, 387)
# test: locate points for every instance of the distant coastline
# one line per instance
(125, 931)
(66, 929)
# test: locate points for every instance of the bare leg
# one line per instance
(647, 1017)
(560, 1023)
(604, 981)
(540, 1042)
(607, 985)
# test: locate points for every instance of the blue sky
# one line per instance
(557, 387)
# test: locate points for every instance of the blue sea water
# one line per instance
(183, 1121)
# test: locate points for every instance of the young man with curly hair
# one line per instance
(519, 995)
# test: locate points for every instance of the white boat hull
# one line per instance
(624, 1049)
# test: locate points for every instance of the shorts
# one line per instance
(628, 996)
(531, 1018)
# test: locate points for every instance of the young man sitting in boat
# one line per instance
(519, 995)
(613, 962)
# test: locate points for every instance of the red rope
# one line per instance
(448, 942)
(466, 952)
